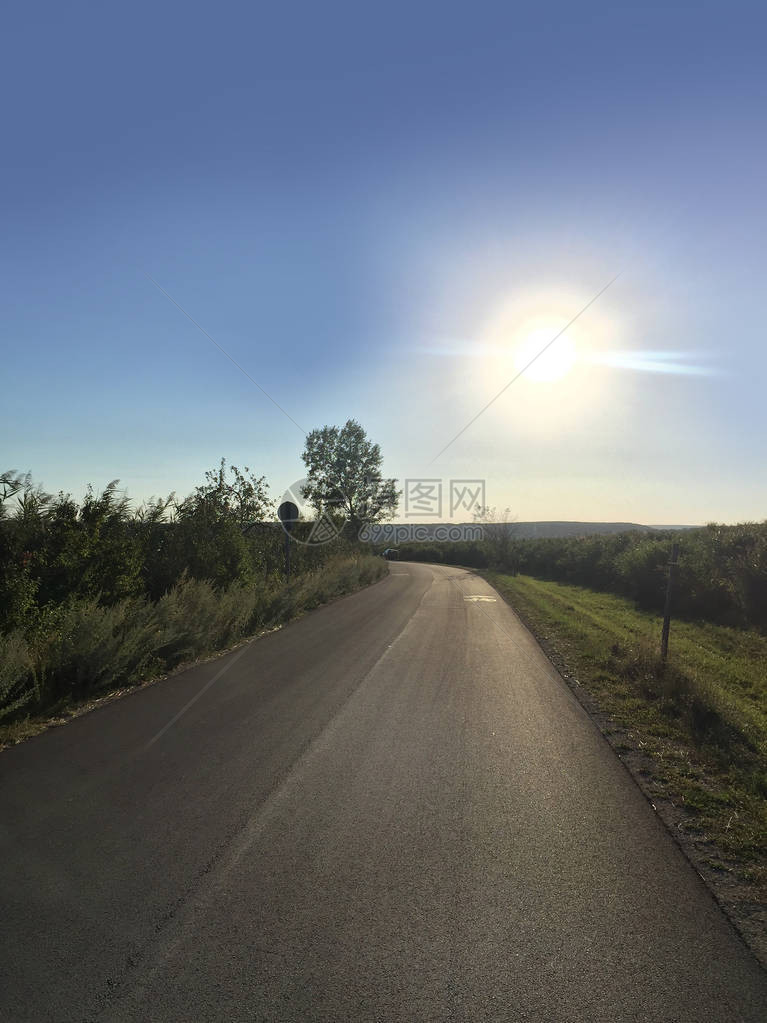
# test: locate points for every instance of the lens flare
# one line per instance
(675, 363)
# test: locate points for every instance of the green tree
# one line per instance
(17, 587)
(239, 497)
(207, 536)
(499, 532)
(343, 473)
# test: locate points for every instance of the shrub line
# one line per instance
(114, 650)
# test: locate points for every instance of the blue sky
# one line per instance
(371, 208)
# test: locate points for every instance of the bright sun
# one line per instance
(555, 363)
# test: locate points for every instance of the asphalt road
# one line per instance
(392, 809)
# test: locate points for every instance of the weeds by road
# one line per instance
(83, 650)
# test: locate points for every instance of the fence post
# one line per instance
(672, 566)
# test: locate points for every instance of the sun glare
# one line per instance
(556, 360)
(557, 378)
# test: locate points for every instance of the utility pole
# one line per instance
(672, 567)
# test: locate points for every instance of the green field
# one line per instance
(699, 724)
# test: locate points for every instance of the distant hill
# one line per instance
(673, 527)
(537, 530)
(400, 532)
(393, 533)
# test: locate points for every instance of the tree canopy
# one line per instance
(343, 475)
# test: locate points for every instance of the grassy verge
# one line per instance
(82, 653)
(694, 733)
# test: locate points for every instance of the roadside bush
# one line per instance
(18, 687)
(91, 647)
(194, 618)
(641, 573)
(342, 575)
(82, 648)
(94, 595)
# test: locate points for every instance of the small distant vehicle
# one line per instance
(390, 554)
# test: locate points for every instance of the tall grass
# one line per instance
(83, 648)
(18, 686)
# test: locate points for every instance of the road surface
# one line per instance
(390, 810)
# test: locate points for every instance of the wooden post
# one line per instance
(287, 513)
(672, 566)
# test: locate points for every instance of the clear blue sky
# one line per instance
(371, 207)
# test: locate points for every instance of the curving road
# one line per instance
(390, 810)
